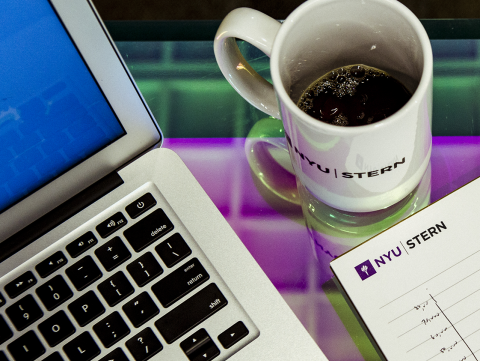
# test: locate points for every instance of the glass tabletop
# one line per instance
(206, 122)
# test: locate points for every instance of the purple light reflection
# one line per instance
(275, 236)
(455, 162)
(278, 242)
(278, 239)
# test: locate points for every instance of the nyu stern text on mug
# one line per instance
(358, 168)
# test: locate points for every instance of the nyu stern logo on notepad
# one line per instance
(365, 270)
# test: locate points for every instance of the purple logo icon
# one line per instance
(365, 270)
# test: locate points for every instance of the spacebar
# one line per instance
(190, 313)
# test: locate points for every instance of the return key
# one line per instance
(180, 282)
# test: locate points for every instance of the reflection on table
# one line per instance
(205, 121)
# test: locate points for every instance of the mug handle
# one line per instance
(267, 154)
(259, 30)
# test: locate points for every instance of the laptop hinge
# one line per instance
(59, 215)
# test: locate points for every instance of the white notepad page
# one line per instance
(416, 286)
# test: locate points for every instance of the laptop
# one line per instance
(109, 248)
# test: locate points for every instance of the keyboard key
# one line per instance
(5, 332)
(27, 347)
(24, 312)
(115, 289)
(83, 273)
(199, 346)
(180, 282)
(208, 352)
(53, 357)
(141, 205)
(20, 284)
(113, 253)
(140, 309)
(2, 356)
(54, 292)
(111, 329)
(2, 300)
(144, 345)
(233, 334)
(194, 341)
(86, 308)
(111, 225)
(51, 264)
(56, 328)
(144, 269)
(115, 355)
(190, 313)
(82, 348)
(81, 244)
(148, 230)
(173, 250)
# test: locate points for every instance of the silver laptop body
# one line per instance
(110, 248)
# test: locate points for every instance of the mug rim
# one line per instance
(417, 96)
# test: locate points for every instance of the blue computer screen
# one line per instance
(52, 113)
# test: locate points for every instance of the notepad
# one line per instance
(416, 286)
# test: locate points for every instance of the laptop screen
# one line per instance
(52, 113)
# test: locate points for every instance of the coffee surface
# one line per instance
(354, 95)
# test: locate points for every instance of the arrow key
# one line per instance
(233, 334)
(199, 346)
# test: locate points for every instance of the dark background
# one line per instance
(278, 9)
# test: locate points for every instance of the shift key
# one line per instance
(190, 313)
(148, 230)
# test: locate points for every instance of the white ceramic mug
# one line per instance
(358, 168)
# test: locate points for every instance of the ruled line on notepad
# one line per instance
(456, 342)
(456, 323)
(437, 294)
(445, 309)
(458, 333)
(421, 284)
(462, 339)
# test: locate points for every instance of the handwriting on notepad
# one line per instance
(439, 334)
(430, 319)
(421, 306)
(441, 316)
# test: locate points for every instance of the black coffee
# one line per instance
(354, 95)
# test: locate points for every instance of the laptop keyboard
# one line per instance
(130, 284)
